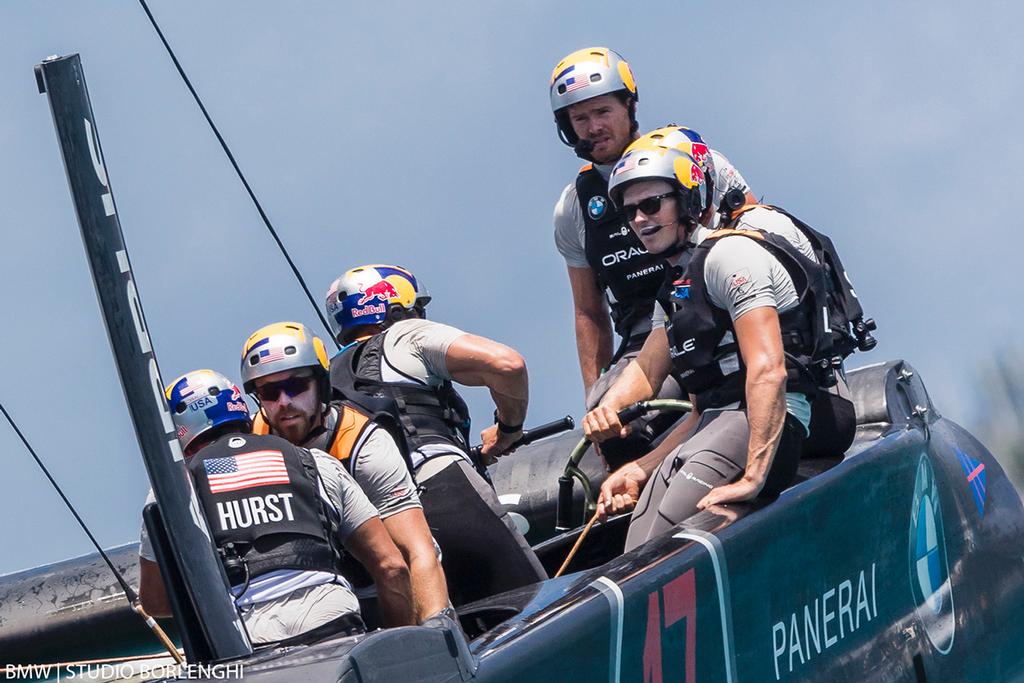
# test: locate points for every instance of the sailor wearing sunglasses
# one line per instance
(285, 367)
(738, 323)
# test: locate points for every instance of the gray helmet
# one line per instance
(583, 75)
(646, 161)
(204, 399)
(279, 347)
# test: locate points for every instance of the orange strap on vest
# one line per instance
(725, 232)
(259, 425)
(586, 167)
(747, 207)
(351, 425)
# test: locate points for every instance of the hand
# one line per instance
(621, 490)
(736, 492)
(495, 443)
(602, 423)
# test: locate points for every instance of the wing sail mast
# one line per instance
(63, 81)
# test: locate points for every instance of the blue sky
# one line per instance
(420, 134)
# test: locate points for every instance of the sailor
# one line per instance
(285, 368)
(393, 359)
(594, 98)
(833, 421)
(282, 519)
(740, 325)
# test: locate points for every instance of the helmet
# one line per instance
(284, 346)
(585, 74)
(366, 295)
(684, 140)
(204, 399)
(649, 162)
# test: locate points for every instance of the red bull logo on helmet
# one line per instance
(696, 175)
(382, 290)
(699, 152)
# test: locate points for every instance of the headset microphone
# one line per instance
(583, 148)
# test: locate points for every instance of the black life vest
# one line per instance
(630, 276)
(260, 494)
(427, 414)
(705, 356)
(844, 309)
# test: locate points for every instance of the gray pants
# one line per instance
(298, 612)
(715, 455)
(645, 429)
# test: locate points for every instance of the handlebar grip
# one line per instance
(530, 435)
(630, 413)
(545, 430)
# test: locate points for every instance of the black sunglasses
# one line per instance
(650, 205)
(293, 386)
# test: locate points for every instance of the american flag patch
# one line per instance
(268, 355)
(249, 470)
(576, 82)
(628, 163)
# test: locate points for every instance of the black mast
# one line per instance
(63, 80)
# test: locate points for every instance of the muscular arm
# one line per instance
(760, 340)
(151, 589)
(593, 326)
(373, 547)
(477, 361)
(409, 531)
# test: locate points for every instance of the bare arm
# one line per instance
(151, 589)
(641, 380)
(760, 340)
(409, 531)
(477, 361)
(621, 490)
(371, 545)
(593, 326)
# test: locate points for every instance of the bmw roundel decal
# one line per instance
(596, 206)
(929, 568)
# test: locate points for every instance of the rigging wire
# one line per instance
(129, 593)
(238, 171)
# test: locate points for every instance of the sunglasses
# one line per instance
(650, 206)
(293, 386)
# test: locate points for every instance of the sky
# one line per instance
(420, 134)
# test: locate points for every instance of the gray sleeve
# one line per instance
(145, 545)
(658, 317)
(569, 227)
(431, 342)
(740, 276)
(726, 177)
(380, 470)
(342, 491)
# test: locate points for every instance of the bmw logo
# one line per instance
(596, 206)
(929, 568)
